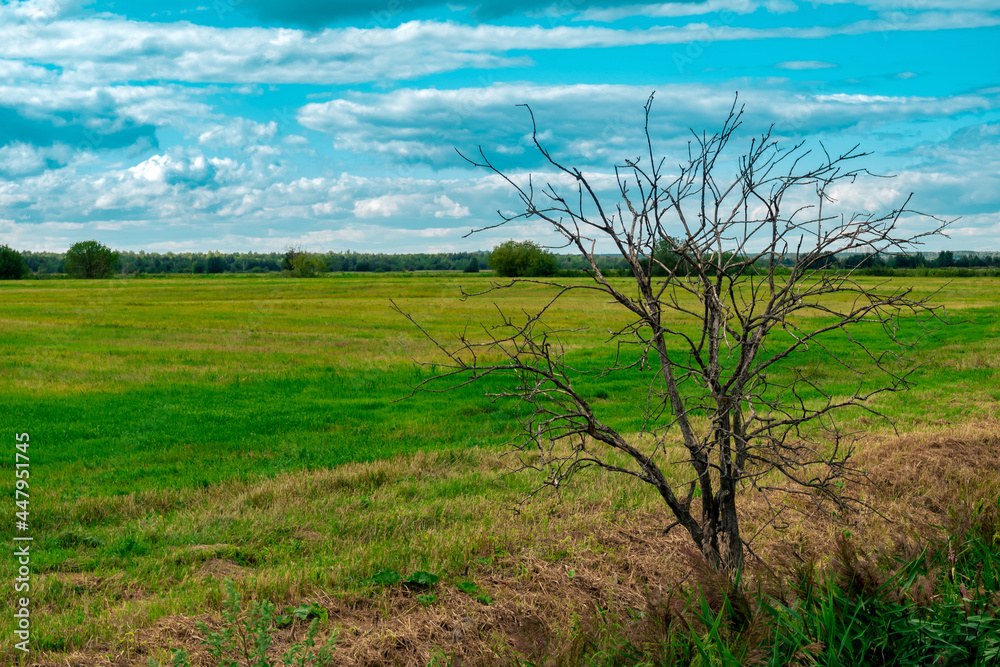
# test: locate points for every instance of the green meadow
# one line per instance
(135, 385)
(188, 429)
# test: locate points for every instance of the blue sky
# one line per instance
(241, 125)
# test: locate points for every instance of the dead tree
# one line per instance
(730, 284)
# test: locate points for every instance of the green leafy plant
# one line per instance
(421, 579)
(385, 578)
(242, 640)
(473, 590)
(418, 579)
(305, 653)
(309, 610)
(467, 587)
(245, 637)
(938, 607)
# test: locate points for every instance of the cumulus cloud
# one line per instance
(19, 159)
(42, 10)
(449, 209)
(134, 51)
(385, 206)
(958, 174)
(420, 205)
(601, 124)
(192, 171)
(186, 190)
(238, 133)
(115, 125)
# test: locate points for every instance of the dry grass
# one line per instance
(546, 570)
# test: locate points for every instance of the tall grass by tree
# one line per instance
(735, 245)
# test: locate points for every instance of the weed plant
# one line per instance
(246, 637)
(938, 607)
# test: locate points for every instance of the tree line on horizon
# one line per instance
(512, 258)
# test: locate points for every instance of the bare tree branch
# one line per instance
(732, 291)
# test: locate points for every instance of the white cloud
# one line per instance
(385, 206)
(238, 133)
(723, 10)
(603, 122)
(681, 9)
(40, 10)
(193, 170)
(449, 209)
(107, 50)
(413, 205)
(223, 180)
(19, 159)
(804, 64)
(42, 236)
(915, 5)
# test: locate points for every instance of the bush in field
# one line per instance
(12, 264)
(90, 259)
(301, 264)
(522, 258)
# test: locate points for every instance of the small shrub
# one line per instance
(245, 638)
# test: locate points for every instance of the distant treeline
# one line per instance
(264, 262)
(132, 263)
(946, 259)
(139, 263)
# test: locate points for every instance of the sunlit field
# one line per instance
(185, 430)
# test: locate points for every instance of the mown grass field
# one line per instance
(187, 429)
